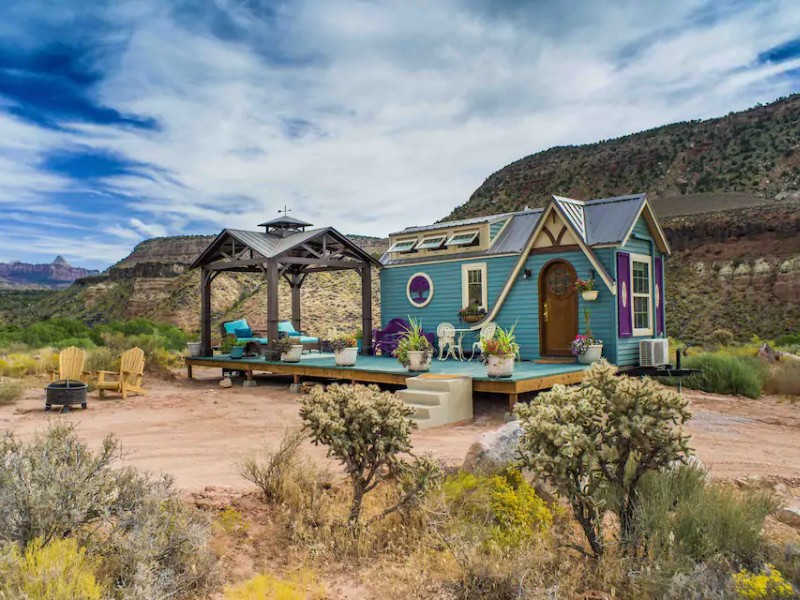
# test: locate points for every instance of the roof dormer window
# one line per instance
(432, 242)
(463, 238)
(406, 245)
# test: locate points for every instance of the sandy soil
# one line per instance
(197, 431)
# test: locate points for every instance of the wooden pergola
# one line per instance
(285, 249)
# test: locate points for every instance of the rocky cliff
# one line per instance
(57, 274)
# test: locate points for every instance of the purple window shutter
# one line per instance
(659, 299)
(624, 295)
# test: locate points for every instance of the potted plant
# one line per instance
(290, 348)
(499, 352)
(414, 351)
(585, 347)
(359, 336)
(586, 289)
(345, 350)
(226, 344)
(472, 313)
(238, 350)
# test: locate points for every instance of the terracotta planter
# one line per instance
(589, 296)
(346, 357)
(294, 355)
(417, 361)
(500, 366)
(591, 355)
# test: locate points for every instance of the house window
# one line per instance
(641, 282)
(473, 285)
(403, 245)
(463, 238)
(431, 243)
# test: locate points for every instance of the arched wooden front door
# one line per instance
(558, 308)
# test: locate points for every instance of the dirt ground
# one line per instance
(198, 432)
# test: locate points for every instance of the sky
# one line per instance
(123, 120)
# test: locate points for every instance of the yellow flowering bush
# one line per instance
(299, 586)
(769, 584)
(59, 570)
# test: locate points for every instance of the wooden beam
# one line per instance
(272, 303)
(366, 310)
(222, 265)
(321, 262)
(205, 312)
(294, 286)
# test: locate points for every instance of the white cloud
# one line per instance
(409, 107)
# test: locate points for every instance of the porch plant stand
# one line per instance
(414, 351)
(586, 348)
(345, 350)
(290, 348)
(499, 352)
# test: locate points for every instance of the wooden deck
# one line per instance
(527, 377)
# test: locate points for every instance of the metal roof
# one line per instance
(460, 223)
(608, 220)
(285, 220)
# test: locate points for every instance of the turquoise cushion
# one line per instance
(304, 339)
(253, 339)
(243, 333)
(287, 328)
(231, 327)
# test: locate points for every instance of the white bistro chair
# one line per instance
(487, 333)
(446, 333)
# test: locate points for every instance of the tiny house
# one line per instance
(521, 269)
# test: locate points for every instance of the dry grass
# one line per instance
(784, 379)
(11, 390)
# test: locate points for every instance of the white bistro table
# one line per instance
(460, 333)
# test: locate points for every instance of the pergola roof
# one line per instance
(239, 250)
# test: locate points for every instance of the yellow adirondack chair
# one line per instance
(129, 378)
(71, 362)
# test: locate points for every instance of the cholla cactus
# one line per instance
(599, 438)
(366, 430)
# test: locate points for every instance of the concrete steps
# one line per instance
(438, 400)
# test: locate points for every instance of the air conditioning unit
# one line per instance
(654, 353)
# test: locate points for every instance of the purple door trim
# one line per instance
(624, 311)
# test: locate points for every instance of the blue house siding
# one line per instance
(522, 306)
(447, 301)
(640, 242)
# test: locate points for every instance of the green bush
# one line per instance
(10, 391)
(148, 542)
(720, 337)
(790, 339)
(60, 570)
(724, 374)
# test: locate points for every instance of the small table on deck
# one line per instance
(460, 333)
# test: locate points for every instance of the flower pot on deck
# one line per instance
(590, 295)
(346, 357)
(237, 352)
(500, 365)
(418, 361)
(294, 355)
(194, 348)
(592, 354)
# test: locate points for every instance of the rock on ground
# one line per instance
(226, 383)
(494, 450)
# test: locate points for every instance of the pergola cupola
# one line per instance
(284, 226)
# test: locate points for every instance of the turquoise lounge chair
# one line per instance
(231, 328)
(286, 329)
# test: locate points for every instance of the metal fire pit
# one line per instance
(66, 393)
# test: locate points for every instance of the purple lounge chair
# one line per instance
(386, 339)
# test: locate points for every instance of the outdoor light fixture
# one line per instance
(527, 274)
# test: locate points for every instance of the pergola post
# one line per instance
(272, 302)
(205, 312)
(366, 309)
(294, 285)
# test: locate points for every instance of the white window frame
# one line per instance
(465, 271)
(646, 260)
(426, 240)
(472, 232)
(393, 247)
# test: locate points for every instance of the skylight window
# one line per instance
(403, 245)
(462, 238)
(432, 242)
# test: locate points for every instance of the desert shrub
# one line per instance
(720, 337)
(162, 335)
(60, 570)
(769, 583)
(367, 430)
(784, 379)
(102, 359)
(232, 521)
(725, 374)
(22, 364)
(148, 542)
(505, 506)
(11, 390)
(790, 339)
(277, 472)
(298, 586)
(686, 519)
(598, 439)
(79, 342)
